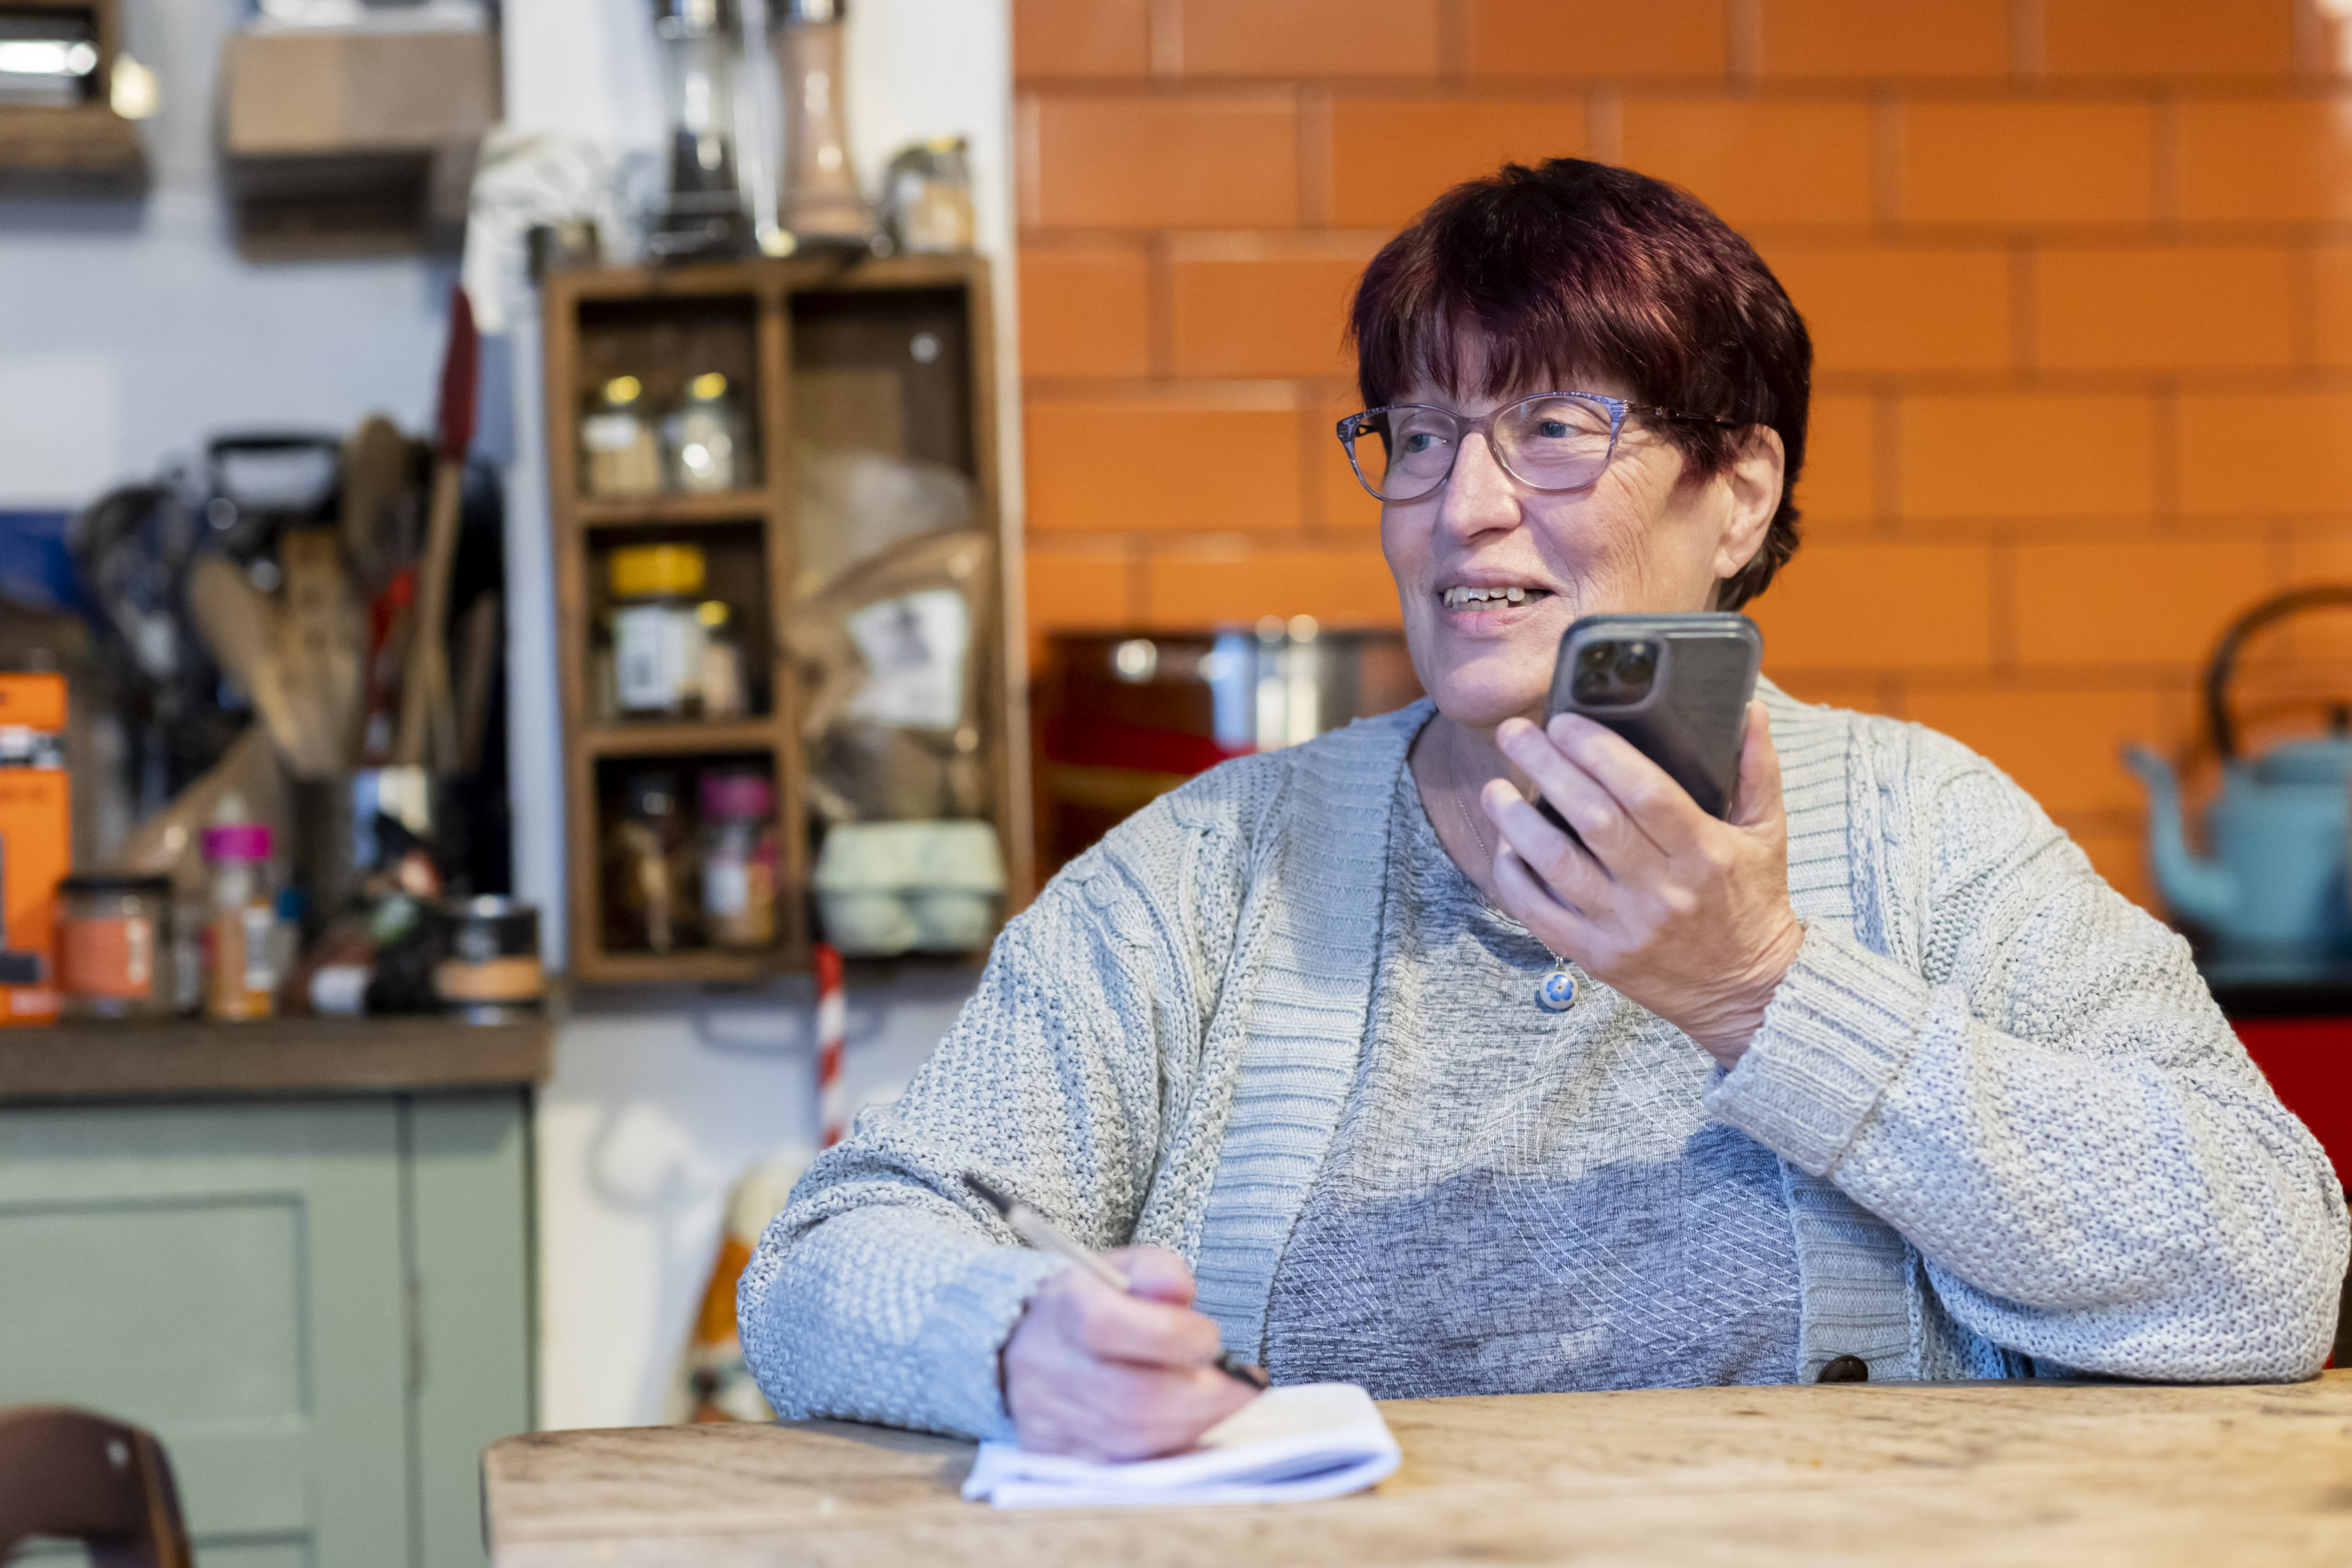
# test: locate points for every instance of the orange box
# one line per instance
(2017, 455)
(2153, 602)
(2064, 746)
(36, 843)
(2169, 38)
(1391, 157)
(1085, 311)
(1878, 308)
(2011, 162)
(2266, 453)
(2165, 308)
(1756, 162)
(1876, 40)
(1850, 605)
(1223, 585)
(1080, 37)
(2260, 160)
(1251, 307)
(1222, 161)
(1544, 38)
(1224, 460)
(1309, 38)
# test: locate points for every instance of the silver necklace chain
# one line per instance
(1556, 992)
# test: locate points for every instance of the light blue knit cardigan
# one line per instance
(2012, 1123)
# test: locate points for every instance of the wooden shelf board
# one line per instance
(684, 739)
(596, 967)
(657, 511)
(286, 1055)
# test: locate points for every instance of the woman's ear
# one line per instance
(1754, 481)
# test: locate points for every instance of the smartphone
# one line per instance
(1677, 686)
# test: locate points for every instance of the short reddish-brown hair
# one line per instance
(1575, 267)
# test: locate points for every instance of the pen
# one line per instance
(1039, 1232)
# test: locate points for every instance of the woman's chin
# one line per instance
(1480, 698)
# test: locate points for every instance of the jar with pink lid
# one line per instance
(739, 860)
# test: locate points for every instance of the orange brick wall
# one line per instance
(2079, 274)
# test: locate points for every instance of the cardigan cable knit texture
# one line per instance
(2015, 1132)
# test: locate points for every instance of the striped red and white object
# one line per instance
(833, 1032)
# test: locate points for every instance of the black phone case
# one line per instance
(1694, 719)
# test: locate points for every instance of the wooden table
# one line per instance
(1855, 1473)
(185, 1058)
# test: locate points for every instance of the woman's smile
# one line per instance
(1487, 606)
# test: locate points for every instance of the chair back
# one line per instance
(78, 1476)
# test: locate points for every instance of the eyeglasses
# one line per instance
(1553, 441)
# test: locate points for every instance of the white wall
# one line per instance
(660, 1100)
(131, 329)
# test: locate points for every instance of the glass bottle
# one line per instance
(657, 631)
(700, 51)
(820, 200)
(724, 694)
(644, 855)
(701, 439)
(739, 860)
(618, 455)
(240, 948)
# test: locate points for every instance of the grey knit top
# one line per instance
(2015, 1133)
(1518, 1201)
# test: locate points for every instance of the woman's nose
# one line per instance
(1480, 496)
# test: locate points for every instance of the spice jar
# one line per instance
(114, 947)
(647, 866)
(723, 692)
(618, 450)
(488, 966)
(738, 860)
(701, 444)
(240, 932)
(658, 636)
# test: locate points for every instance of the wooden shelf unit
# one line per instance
(760, 297)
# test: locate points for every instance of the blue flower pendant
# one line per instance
(1556, 992)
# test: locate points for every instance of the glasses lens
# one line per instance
(1555, 443)
(1419, 451)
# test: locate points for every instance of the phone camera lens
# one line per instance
(1597, 655)
(1635, 666)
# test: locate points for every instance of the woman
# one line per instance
(1877, 1078)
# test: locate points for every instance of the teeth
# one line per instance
(1457, 597)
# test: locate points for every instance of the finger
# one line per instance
(1565, 928)
(1646, 793)
(1125, 1412)
(1573, 875)
(1154, 1273)
(1606, 830)
(1755, 799)
(1129, 1328)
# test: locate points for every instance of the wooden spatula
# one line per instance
(428, 732)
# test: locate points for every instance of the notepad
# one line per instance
(1289, 1445)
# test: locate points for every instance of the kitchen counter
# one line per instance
(279, 1056)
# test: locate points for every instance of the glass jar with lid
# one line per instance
(658, 633)
(702, 443)
(619, 454)
(114, 947)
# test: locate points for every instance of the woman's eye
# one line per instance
(1416, 441)
(1552, 429)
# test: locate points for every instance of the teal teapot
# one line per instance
(2273, 888)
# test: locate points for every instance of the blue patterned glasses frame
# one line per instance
(1553, 441)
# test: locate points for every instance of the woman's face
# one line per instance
(1637, 538)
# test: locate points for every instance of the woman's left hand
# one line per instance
(1685, 914)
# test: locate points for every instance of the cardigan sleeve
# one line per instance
(2047, 1105)
(885, 1289)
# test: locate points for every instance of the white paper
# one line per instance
(1289, 1445)
(914, 647)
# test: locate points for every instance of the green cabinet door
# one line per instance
(321, 1307)
(231, 1277)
